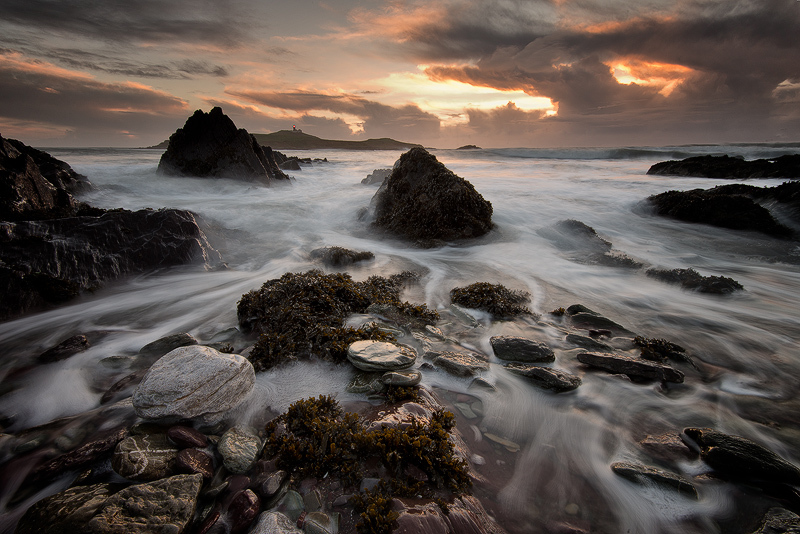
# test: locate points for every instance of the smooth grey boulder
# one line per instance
(194, 382)
(513, 348)
(239, 447)
(145, 457)
(369, 355)
(164, 506)
(545, 377)
(643, 369)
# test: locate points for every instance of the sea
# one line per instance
(543, 458)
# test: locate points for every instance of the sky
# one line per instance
(443, 73)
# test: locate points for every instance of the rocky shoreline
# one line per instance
(169, 448)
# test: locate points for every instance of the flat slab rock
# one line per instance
(458, 363)
(740, 458)
(145, 457)
(194, 382)
(520, 349)
(545, 377)
(643, 369)
(369, 355)
(636, 473)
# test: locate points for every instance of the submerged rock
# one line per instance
(545, 377)
(643, 369)
(692, 280)
(49, 262)
(166, 344)
(69, 347)
(513, 348)
(210, 145)
(194, 382)
(582, 244)
(424, 201)
(740, 458)
(339, 256)
(725, 166)
(636, 473)
(458, 363)
(65, 512)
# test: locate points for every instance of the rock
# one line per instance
(668, 447)
(512, 348)
(469, 147)
(692, 280)
(583, 245)
(320, 523)
(290, 164)
(635, 473)
(458, 363)
(34, 185)
(145, 457)
(424, 201)
(195, 461)
(242, 510)
(127, 382)
(721, 206)
(167, 344)
(366, 383)
(65, 349)
(340, 257)
(194, 382)
(465, 515)
(544, 377)
(164, 506)
(725, 166)
(634, 368)
(369, 355)
(778, 521)
(401, 378)
(48, 262)
(95, 450)
(271, 486)
(274, 523)
(740, 458)
(239, 447)
(210, 145)
(588, 343)
(185, 436)
(377, 176)
(595, 321)
(66, 512)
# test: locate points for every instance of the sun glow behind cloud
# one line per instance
(664, 76)
(449, 100)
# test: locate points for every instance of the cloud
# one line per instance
(375, 119)
(148, 21)
(36, 92)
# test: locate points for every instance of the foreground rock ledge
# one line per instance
(424, 201)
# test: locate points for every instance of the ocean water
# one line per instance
(558, 472)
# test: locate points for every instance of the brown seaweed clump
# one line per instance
(316, 438)
(496, 299)
(303, 314)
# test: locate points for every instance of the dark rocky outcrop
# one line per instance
(787, 166)
(340, 256)
(582, 244)
(520, 349)
(49, 262)
(377, 176)
(34, 185)
(729, 206)
(638, 369)
(639, 473)
(739, 458)
(545, 377)
(692, 280)
(423, 201)
(210, 145)
(496, 299)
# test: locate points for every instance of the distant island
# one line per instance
(297, 140)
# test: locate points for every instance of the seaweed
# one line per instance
(301, 314)
(493, 298)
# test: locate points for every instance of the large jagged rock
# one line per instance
(422, 200)
(787, 166)
(210, 145)
(49, 262)
(35, 185)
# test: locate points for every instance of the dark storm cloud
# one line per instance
(35, 91)
(379, 120)
(196, 21)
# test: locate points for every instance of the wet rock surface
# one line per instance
(423, 201)
(458, 363)
(145, 457)
(641, 369)
(637, 473)
(339, 256)
(210, 145)
(514, 348)
(194, 382)
(545, 377)
(725, 166)
(692, 280)
(69, 347)
(377, 176)
(239, 447)
(581, 243)
(779, 521)
(371, 355)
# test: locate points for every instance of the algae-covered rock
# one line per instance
(496, 299)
